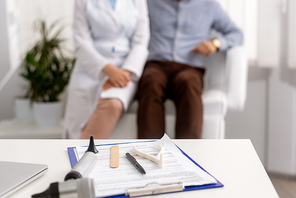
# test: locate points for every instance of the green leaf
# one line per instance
(45, 66)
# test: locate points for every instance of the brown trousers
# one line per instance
(179, 82)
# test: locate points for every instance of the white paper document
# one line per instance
(115, 181)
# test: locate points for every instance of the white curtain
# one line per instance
(269, 33)
(291, 34)
(245, 14)
(260, 21)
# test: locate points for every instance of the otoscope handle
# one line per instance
(83, 166)
(77, 185)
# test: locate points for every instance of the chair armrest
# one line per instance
(237, 69)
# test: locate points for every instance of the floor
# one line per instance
(285, 187)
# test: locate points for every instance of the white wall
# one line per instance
(251, 123)
(49, 10)
(8, 94)
(269, 119)
(281, 153)
(6, 61)
(281, 148)
(4, 54)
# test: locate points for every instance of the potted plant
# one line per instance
(47, 70)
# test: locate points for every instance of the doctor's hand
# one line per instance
(206, 48)
(107, 85)
(117, 76)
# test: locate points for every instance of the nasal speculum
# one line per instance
(158, 159)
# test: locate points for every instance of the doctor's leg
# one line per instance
(103, 120)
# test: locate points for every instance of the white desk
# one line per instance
(233, 162)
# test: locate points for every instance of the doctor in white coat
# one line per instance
(111, 39)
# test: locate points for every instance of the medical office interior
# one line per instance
(268, 117)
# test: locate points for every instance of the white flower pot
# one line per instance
(48, 114)
(23, 110)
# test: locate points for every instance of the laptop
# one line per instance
(15, 175)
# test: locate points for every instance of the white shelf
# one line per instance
(13, 129)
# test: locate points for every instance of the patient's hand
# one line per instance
(117, 76)
(206, 48)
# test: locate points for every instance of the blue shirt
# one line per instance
(178, 27)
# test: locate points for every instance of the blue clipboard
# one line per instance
(73, 161)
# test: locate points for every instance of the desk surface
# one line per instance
(233, 162)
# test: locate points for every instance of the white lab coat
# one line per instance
(102, 36)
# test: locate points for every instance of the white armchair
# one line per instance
(225, 88)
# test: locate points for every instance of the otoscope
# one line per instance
(75, 185)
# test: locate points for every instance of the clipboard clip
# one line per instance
(158, 159)
(154, 188)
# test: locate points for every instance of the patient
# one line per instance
(175, 68)
(111, 39)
